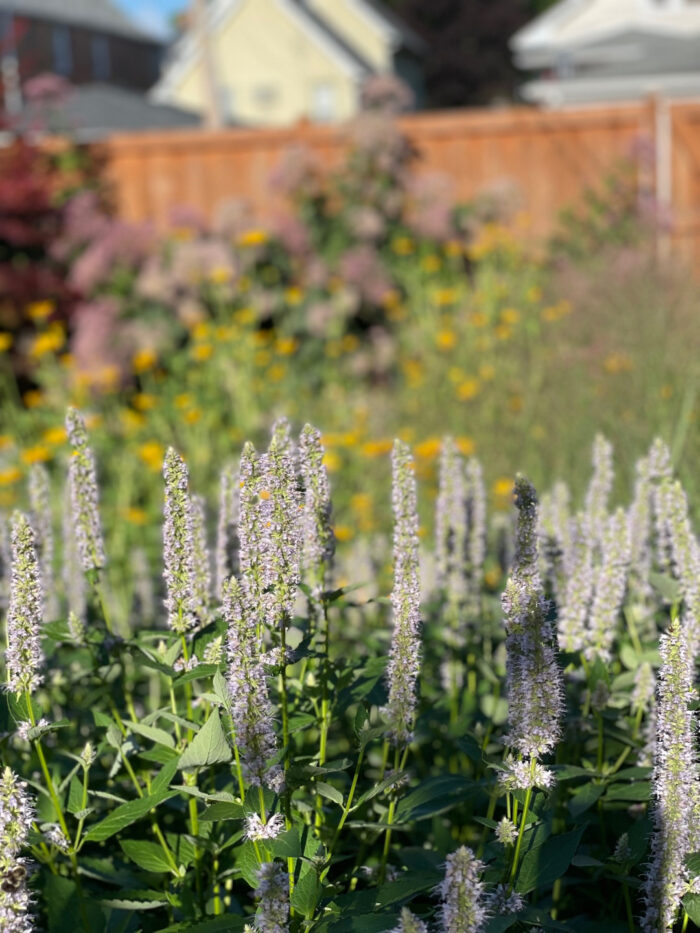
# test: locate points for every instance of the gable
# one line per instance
(101, 15)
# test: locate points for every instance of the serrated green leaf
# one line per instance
(159, 736)
(125, 815)
(329, 792)
(208, 747)
(75, 795)
(584, 798)
(147, 855)
(541, 867)
(691, 905)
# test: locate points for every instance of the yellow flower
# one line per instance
(152, 454)
(478, 319)
(36, 454)
(201, 330)
(143, 360)
(492, 577)
(413, 370)
(377, 448)
(244, 316)
(487, 372)
(510, 316)
(40, 310)
(391, 299)
(10, 475)
(67, 360)
(48, 342)
(402, 245)
(142, 401)
(135, 516)
(252, 238)
(503, 488)
(617, 363)
(445, 296)
(33, 398)
(361, 502)
(202, 352)
(453, 248)
(286, 346)
(220, 275)
(428, 449)
(332, 461)
(5, 341)
(431, 263)
(276, 373)
(407, 435)
(132, 420)
(192, 416)
(503, 332)
(465, 445)
(468, 390)
(294, 295)
(183, 401)
(343, 533)
(445, 339)
(6, 440)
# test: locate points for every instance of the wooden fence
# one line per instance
(550, 157)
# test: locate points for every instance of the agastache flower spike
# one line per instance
(73, 576)
(660, 470)
(579, 586)
(5, 561)
(685, 553)
(639, 519)
(25, 614)
(226, 529)
(251, 710)
(178, 546)
(451, 526)
(318, 539)
(535, 692)
(84, 495)
(273, 895)
(476, 532)
(409, 923)
(250, 527)
(600, 486)
(555, 539)
(202, 564)
(42, 523)
(404, 656)
(610, 587)
(462, 892)
(674, 783)
(16, 816)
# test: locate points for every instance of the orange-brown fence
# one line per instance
(550, 157)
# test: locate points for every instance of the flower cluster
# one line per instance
(24, 656)
(16, 816)
(84, 494)
(462, 892)
(318, 538)
(610, 586)
(42, 523)
(178, 546)
(227, 528)
(273, 899)
(404, 657)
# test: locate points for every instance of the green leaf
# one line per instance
(208, 747)
(306, 892)
(329, 792)
(541, 867)
(222, 811)
(159, 736)
(433, 796)
(641, 790)
(125, 815)
(287, 845)
(691, 905)
(692, 863)
(162, 780)
(75, 795)
(63, 907)
(584, 798)
(147, 855)
(231, 923)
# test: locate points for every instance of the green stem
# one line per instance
(521, 831)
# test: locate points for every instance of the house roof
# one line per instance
(184, 53)
(575, 92)
(93, 111)
(101, 15)
(570, 23)
(401, 33)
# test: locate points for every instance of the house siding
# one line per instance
(357, 30)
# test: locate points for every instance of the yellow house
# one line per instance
(273, 62)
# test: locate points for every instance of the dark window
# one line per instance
(101, 61)
(62, 43)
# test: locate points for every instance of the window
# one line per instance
(323, 103)
(61, 40)
(227, 102)
(265, 95)
(101, 62)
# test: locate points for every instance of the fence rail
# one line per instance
(550, 157)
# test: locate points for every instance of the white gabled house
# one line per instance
(597, 51)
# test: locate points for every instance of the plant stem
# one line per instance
(521, 831)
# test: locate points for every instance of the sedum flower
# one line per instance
(534, 681)
(256, 830)
(226, 529)
(404, 655)
(273, 899)
(318, 539)
(251, 710)
(84, 495)
(178, 546)
(610, 587)
(16, 816)
(409, 923)
(600, 486)
(42, 523)
(675, 780)
(462, 892)
(202, 565)
(24, 656)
